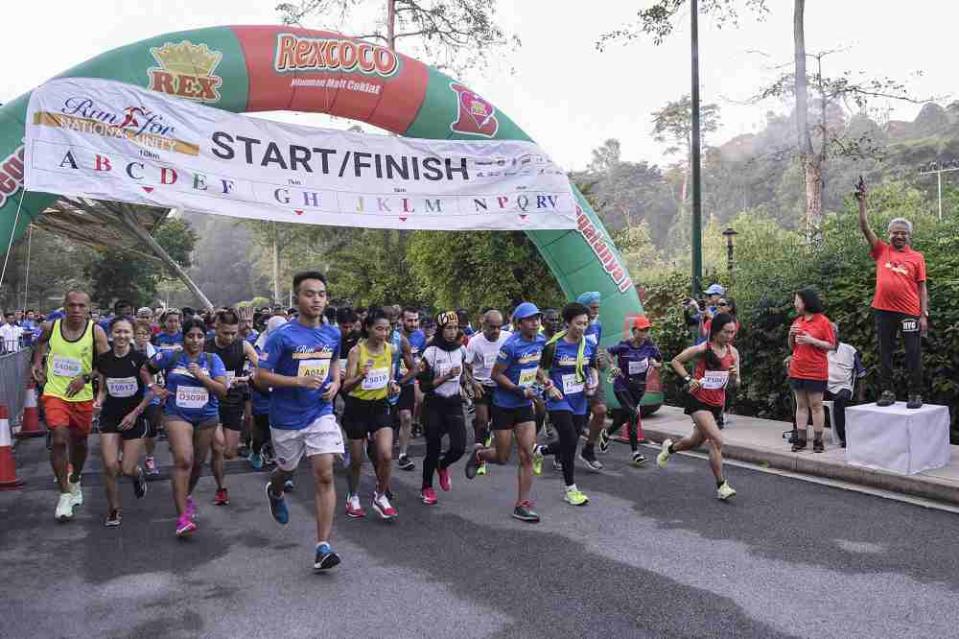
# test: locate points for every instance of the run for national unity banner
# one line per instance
(106, 140)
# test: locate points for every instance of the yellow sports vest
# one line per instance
(376, 384)
(66, 360)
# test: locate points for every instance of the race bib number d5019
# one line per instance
(314, 368)
(715, 380)
(66, 366)
(527, 377)
(192, 397)
(376, 379)
(122, 386)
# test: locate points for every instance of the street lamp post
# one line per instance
(696, 237)
(729, 234)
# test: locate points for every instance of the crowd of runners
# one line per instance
(352, 386)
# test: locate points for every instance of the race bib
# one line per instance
(66, 366)
(192, 397)
(376, 379)
(314, 367)
(527, 377)
(489, 361)
(230, 376)
(715, 380)
(640, 367)
(910, 325)
(122, 386)
(571, 386)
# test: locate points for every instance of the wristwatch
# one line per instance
(688, 379)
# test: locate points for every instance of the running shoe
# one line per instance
(428, 496)
(325, 558)
(887, 398)
(915, 401)
(638, 458)
(725, 492)
(604, 440)
(113, 519)
(243, 451)
(268, 457)
(488, 442)
(353, 507)
(405, 463)
(663, 457)
(150, 464)
(381, 504)
(482, 469)
(222, 497)
(76, 493)
(190, 507)
(538, 459)
(446, 482)
(288, 486)
(574, 496)
(65, 507)
(277, 507)
(590, 460)
(524, 512)
(472, 464)
(139, 484)
(256, 461)
(185, 526)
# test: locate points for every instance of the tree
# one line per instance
(454, 34)
(673, 124)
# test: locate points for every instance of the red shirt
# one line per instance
(808, 361)
(898, 274)
(712, 389)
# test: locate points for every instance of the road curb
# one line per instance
(803, 463)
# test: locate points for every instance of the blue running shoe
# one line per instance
(256, 461)
(288, 486)
(325, 558)
(277, 507)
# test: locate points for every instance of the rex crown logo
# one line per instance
(186, 70)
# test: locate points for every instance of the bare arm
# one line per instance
(353, 375)
(679, 362)
(864, 221)
(100, 340)
(407, 355)
(40, 349)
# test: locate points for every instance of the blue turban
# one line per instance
(592, 297)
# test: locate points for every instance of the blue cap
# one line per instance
(715, 289)
(592, 297)
(525, 310)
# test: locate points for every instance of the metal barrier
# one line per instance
(14, 369)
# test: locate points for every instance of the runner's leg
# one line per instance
(357, 455)
(217, 460)
(709, 431)
(480, 422)
(802, 414)
(525, 439)
(59, 445)
(383, 438)
(202, 442)
(455, 427)
(433, 431)
(180, 436)
(324, 497)
(109, 446)
(78, 452)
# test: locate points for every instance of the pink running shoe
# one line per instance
(428, 496)
(446, 482)
(185, 526)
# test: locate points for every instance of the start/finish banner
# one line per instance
(107, 140)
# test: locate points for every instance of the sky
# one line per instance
(566, 94)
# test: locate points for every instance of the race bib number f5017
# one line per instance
(192, 397)
(66, 366)
(314, 368)
(527, 377)
(122, 386)
(715, 380)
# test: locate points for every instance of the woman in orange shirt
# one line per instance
(811, 336)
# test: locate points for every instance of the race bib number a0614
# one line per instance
(314, 368)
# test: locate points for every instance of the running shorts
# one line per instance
(110, 424)
(693, 405)
(321, 437)
(231, 416)
(407, 397)
(507, 418)
(364, 416)
(60, 413)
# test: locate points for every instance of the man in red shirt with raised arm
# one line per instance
(901, 302)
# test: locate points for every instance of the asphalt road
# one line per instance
(654, 554)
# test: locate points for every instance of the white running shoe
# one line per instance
(383, 507)
(663, 457)
(76, 492)
(725, 492)
(65, 507)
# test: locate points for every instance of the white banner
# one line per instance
(107, 140)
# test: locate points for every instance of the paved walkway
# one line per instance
(760, 441)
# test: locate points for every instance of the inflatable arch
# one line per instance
(276, 68)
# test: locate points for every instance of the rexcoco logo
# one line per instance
(297, 53)
(138, 120)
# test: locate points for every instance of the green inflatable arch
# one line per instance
(275, 68)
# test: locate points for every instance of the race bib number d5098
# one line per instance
(314, 368)
(192, 397)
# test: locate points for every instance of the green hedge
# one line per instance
(771, 264)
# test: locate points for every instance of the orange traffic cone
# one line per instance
(30, 424)
(8, 466)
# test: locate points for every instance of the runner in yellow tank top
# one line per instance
(369, 381)
(73, 342)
